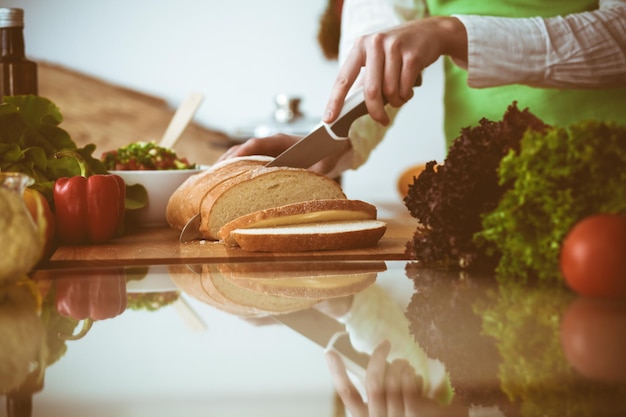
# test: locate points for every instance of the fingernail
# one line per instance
(328, 114)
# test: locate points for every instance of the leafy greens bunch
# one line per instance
(30, 138)
(559, 176)
(448, 200)
(508, 193)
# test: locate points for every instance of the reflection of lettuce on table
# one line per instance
(525, 322)
(443, 322)
(148, 301)
(151, 301)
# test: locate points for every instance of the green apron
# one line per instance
(465, 106)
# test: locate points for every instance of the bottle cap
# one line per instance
(10, 17)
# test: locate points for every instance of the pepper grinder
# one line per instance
(18, 75)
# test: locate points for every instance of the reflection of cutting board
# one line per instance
(161, 246)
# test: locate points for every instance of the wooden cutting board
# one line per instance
(159, 246)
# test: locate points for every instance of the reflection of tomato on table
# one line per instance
(593, 336)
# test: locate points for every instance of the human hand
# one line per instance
(271, 146)
(393, 389)
(392, 61)
(274, 145)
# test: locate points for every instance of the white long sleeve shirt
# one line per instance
(582, 50)
(578, 50)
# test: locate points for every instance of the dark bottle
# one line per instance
(18, 75)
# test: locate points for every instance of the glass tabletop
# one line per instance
(274, 338)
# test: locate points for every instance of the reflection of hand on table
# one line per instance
(393, 389)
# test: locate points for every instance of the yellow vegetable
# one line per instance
(22, 245)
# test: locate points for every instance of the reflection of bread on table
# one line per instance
(311, 280)
(256, 289)
(193, 284)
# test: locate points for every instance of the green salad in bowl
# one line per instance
(159, 170)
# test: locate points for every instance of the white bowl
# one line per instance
(159, 185)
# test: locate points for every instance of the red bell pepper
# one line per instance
(89, 209)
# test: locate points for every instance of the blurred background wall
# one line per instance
(239, 54)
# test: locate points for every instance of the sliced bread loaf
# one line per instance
(185, 202)
(311, 237)
(313, 211)
(259, 189)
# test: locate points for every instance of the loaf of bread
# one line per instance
(185, 202)
(312, 211)
(337, 235)
(259, 189)
(242, 202)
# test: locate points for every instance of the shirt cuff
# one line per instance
(504, 50)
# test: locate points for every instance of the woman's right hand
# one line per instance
(391, 61)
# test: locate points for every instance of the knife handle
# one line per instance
(353, 108)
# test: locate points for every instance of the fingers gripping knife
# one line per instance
(323, 141)
(326, 139)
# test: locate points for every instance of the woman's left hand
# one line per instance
(274, 145)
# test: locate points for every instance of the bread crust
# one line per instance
(185, 202)
(311, 211)
(310, 237)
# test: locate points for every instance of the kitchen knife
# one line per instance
(326, 139)
(191, 231)
(323, 141)
(328, 333)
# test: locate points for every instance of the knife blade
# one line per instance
(191, 231)
(328, 333)
(327, 138)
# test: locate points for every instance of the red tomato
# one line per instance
(593, 336)
(593, 256)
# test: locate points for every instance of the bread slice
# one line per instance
(313, 211)
(318, 280)
(311, 237)
(260, 189)
(185, 202)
